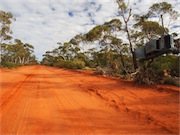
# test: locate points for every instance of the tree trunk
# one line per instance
(129, 37)
(20, 61)
(23, 60)
(0, 49)
(27, 61)
(15, 60)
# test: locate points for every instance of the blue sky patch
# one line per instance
(176, 26)
(92, 3)
(53, 9)
(99, 8)
(70, 13)
(17, 15)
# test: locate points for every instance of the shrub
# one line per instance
(70, 64)
(107, 71)
(10, 65)
(175, 68)
(100, 71)
(88, 68)
(58, 64)
(171, 81)
(169, 63)
(146, 76)
(78, 64)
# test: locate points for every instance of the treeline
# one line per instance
(17, 53)
(103, 49)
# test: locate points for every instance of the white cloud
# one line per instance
(43, 23)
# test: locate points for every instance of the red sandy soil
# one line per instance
(47, 100)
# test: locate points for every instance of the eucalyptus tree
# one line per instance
(18, 53)
(124, 9)
(149, 29)
(66, 51)
(48, 58)
(163, 9)
(5, 22)
(5, 53)
(155, 29)
(104, 33)
(107, 36)
(96, 33)
(116, 44)
(28, 57)
(6, 19)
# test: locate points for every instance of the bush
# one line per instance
(169, 63)
(171, 81)
(78, 64)
(10, 65)
(147, 76)
(70, 64)
(175, 68)
(100, 71)
(88, 68)
(107, 72)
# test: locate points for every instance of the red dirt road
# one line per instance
(47, 100)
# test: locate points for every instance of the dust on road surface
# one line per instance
(47, 100)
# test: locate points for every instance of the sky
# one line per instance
(44, 23)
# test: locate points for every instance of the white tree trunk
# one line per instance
(20, 61)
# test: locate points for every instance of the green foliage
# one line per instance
(114, 25)
(121, 4)
(70, 64)
(111, 56)
(146, 76)
(162, 8)
(19, 53)
(5, 30)
(154, 73)
(10, 65)
(152, 28)
(107, 71)
(169, 63)
(96, 33)
(78, 64)
(171, 81)
(175, 67)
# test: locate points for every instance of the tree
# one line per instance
(123, 8)
(5, 30)
(5, 20)
(150, 29)
(161, 9)
(96, 33)
(148, 73)
(18, 53)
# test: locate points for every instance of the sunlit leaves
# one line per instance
(158, 9)
(5, 21)
(96, 33)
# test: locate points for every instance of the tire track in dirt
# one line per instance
(76, 124)
(20, 116)
(8, 98)
(65, 100)
(69, 100)
(143, 113)
(118, 102)
(17, 104)
(91, 122)
(57, 101)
